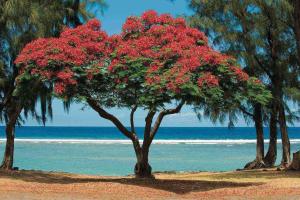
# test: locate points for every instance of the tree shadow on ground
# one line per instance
(255, 174)
(171, 185)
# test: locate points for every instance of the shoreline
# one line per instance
(157, 141)
(253, 184)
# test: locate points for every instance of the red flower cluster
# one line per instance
(239, 73)
(54, 58)
(133, 24)
(172, 53)
(208, 79)
(161, 39)
(151, 17)
(59, 88)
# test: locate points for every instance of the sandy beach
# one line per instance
(269, 184)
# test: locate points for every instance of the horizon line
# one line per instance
(64, 126)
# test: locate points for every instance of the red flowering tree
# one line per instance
(156, 62)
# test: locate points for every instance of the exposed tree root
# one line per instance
(255, 164)
(295, 165)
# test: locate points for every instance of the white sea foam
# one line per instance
(158, 141)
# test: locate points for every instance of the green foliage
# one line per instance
(148, 69)
(260, 35)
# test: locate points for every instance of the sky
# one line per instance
(112, 19)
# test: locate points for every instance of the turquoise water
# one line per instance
(103, 151)
(119, 159)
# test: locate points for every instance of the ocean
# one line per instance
(105, 151)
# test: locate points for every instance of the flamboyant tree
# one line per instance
(157, 63)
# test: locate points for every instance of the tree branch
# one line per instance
(260, 64)
(6, 98)
(147, 130)
(245, 111)
(102, 113)
(132, 118)
(248, 45)
(161, 116)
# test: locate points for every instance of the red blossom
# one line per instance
(241, 75)
(63, 75)
(162, 38)
(165, 19)
(45, 74)
(174, 54)
(94, 24)
(59, 88)
(257, 81)
(208, 79)
(54, 58)
(132, 24)
(180, 22)
(150, 17)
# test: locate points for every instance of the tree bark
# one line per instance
(295, 165)
(259, 133)
(75, 16)
(142, 167)
(102, 113)
(8, 158)
(271, 155)
(258, 162)
(286, 151)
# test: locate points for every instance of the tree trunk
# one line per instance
(286, 152)
(296, 15)
(8, 158)
(76, 7)
(142, 168)
(271, 155)
(295, 165)
(258, 162)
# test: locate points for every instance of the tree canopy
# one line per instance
(156, 59)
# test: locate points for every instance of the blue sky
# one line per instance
(112, 20)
